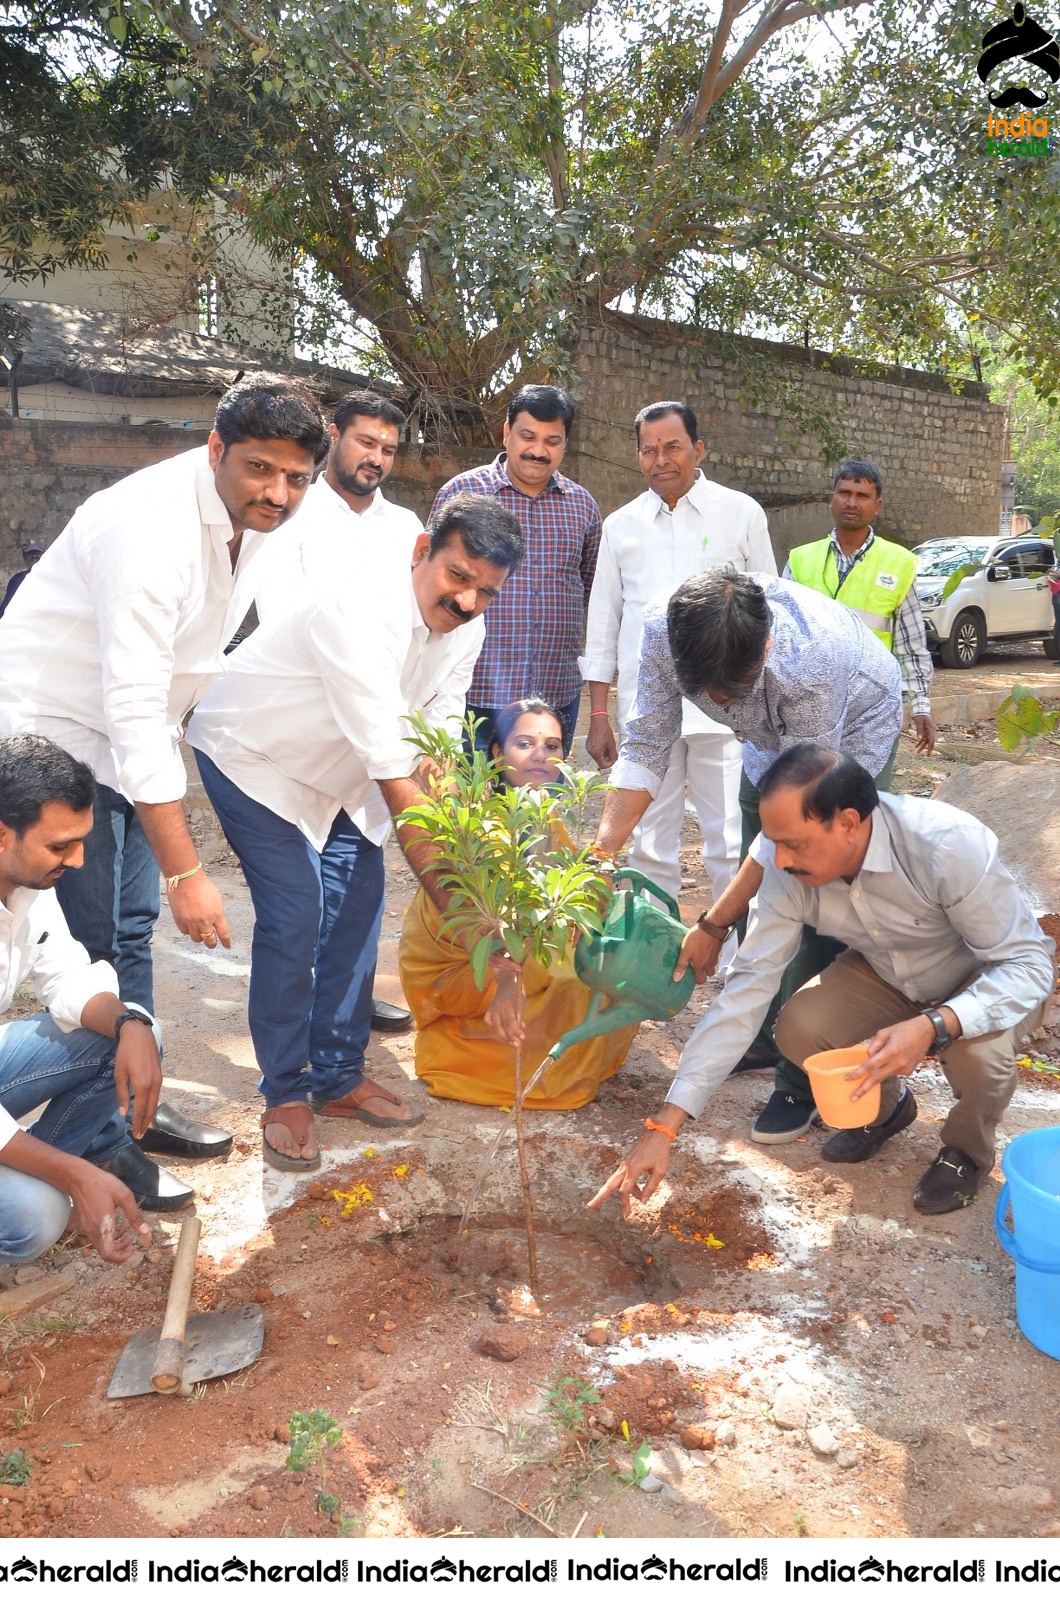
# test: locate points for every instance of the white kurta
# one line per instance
(646, 551)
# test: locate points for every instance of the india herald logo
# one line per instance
(1021, 38)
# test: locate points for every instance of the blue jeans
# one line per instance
(316, 932)
(568, 716)
(112, 902)
(74, 1073)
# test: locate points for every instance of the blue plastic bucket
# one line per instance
(1031, 1165)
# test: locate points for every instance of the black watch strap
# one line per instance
(943, 1036)
(130, 1016)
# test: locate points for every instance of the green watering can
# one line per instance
(630, 962)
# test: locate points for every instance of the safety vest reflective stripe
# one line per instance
(873, 620)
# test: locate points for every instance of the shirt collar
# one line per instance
(375, 507)
(861, 549)
(878, 857)
(18, 903)
(213, 513)
(694, 496)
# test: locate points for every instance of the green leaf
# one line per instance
(480, 956)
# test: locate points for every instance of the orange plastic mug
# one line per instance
(831, 1090)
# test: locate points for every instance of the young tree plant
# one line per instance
(511, 882)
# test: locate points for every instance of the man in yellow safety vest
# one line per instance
(874, 577)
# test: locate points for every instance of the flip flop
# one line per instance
(297, 1118)
(353, 1105)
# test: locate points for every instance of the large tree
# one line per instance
(473, 181)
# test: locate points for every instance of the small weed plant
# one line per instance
(15, 1467)
(313, 1434)
(638, 1467)
(568, 1401)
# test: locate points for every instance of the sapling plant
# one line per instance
(510, 880)
(312, 1435)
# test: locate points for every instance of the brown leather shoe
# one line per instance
(373, 1104)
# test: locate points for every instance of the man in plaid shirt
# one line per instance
(534, 628)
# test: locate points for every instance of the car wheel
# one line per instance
(965, 643)
(1049, 646)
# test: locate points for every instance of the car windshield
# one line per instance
(942, 556)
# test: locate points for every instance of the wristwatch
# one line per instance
(132, 1013)
(943, 1036)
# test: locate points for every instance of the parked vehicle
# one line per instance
(1006, 598)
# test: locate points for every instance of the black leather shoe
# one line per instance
(858, 1144)
(949, 1184)
(390, 1019)
(153, 1187)
(173, 1134)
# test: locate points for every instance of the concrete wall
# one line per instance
(940, 452)
(48, 468)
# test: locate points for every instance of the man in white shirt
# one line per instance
(302, 751)
(944, 958)
(365, 436)
(85, 1057)
(348, 499)
(681, 525)
(108, 649)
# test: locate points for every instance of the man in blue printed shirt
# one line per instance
(780, 665)
(534, 629)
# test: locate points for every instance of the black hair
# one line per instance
(545, 403)
(861, 469)
(505, 720)
(718, 624)
(666, 408)
(362, 403)
(33, 773)
(830, 780)
(489, 530)
(265, 406)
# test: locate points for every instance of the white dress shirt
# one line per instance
(647, 550)
(932, 911)
(125, 624)
(295, 553)
(312, 708)
(36, 944)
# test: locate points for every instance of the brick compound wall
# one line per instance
(775, 420)
(48, 468)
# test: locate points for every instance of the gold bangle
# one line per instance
(659, 1127)
(179, 877)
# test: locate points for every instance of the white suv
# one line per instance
(1006, 599)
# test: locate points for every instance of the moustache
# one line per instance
(455, 611)
(1019, 95)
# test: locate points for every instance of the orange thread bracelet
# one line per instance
(658, 1127)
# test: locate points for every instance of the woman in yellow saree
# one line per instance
(460, 1051)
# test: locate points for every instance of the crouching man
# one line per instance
(87, 1055)
(944, 959)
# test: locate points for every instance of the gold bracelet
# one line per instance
(659, 1127)
(179, 877)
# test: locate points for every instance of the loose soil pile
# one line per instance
(797, 1348)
